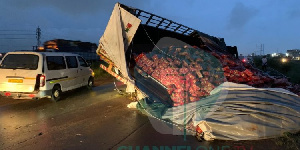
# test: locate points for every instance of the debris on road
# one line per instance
(132, 105)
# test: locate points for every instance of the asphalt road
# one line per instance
(94, 119)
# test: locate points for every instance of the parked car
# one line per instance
(37, 75)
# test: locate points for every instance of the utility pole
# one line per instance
(38, 37)
(261, 49)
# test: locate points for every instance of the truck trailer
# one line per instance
(193, 80)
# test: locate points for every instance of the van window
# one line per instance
(82, 62)
(71, 61)
(55, 62)
(20, 61)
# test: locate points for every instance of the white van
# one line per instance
(36, 75)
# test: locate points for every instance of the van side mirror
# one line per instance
(89, 64)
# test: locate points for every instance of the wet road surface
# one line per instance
(93, 119)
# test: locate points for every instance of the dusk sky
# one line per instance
(246, 24)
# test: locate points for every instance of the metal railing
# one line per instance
(156, 21)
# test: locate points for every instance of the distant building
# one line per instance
(294, 53)
(277, 55)
(85, 49)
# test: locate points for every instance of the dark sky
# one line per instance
(246, 24)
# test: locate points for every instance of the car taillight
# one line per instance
(42, 80)
(31, 95)
(7, 94)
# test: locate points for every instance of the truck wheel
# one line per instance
(56, 92)
(90, 83)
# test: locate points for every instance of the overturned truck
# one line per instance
(194, 81)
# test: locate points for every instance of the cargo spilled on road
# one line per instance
(194, 81)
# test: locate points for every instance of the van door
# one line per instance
(73, 70)
(57, 72)
(18, 71)
(84, 71)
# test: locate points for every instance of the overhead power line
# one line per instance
(16, 38)
(18, 30)
(16, 34)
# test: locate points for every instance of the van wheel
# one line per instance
(56, 92)
(90, 83)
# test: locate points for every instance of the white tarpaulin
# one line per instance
(243, 112)
(117, 36)
(234, 112)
